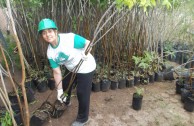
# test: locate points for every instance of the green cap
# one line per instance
(46, 24)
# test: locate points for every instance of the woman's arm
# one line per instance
(58, 77)
(58, 82)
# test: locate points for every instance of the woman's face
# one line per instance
(49, 35)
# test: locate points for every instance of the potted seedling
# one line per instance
(157, 67)
(136, 69)
(13, 95)
(51, 83)
(30, 84)
(122, 79)
(179, 85)
(42, 82)
(105, 82)
(144, 78)
(58, 108)
(114, 81)
(185, 93)
(189, 103)
(96, 83)
(137, 98)
(151, 68)
(30, 95)
(96, 80)
(151, 75)
(33, 75)
(129, 81)
(140, 69)
(189, 100)
(146, 66)
(41, 115)
(50, 78)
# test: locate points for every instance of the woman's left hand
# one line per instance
(84, 56)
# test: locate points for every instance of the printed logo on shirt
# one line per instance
(61, 58)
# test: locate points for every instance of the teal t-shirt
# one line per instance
(68, 52)
(65, 42)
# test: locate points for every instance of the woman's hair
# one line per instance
(40, 32)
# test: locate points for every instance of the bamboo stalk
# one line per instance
(26, 120)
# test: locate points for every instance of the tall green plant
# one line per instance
(137, 61)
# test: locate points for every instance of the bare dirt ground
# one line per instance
(161, 107)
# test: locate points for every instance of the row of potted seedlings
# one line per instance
(185, 87)
(38, 81)
(146, 69)
(105, 84)
(32, 86)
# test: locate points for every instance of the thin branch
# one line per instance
(101, 19)
(109, 29)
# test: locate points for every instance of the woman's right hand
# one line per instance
(59, 95)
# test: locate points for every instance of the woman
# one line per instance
(68, 49)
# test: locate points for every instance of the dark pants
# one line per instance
(83, 83)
